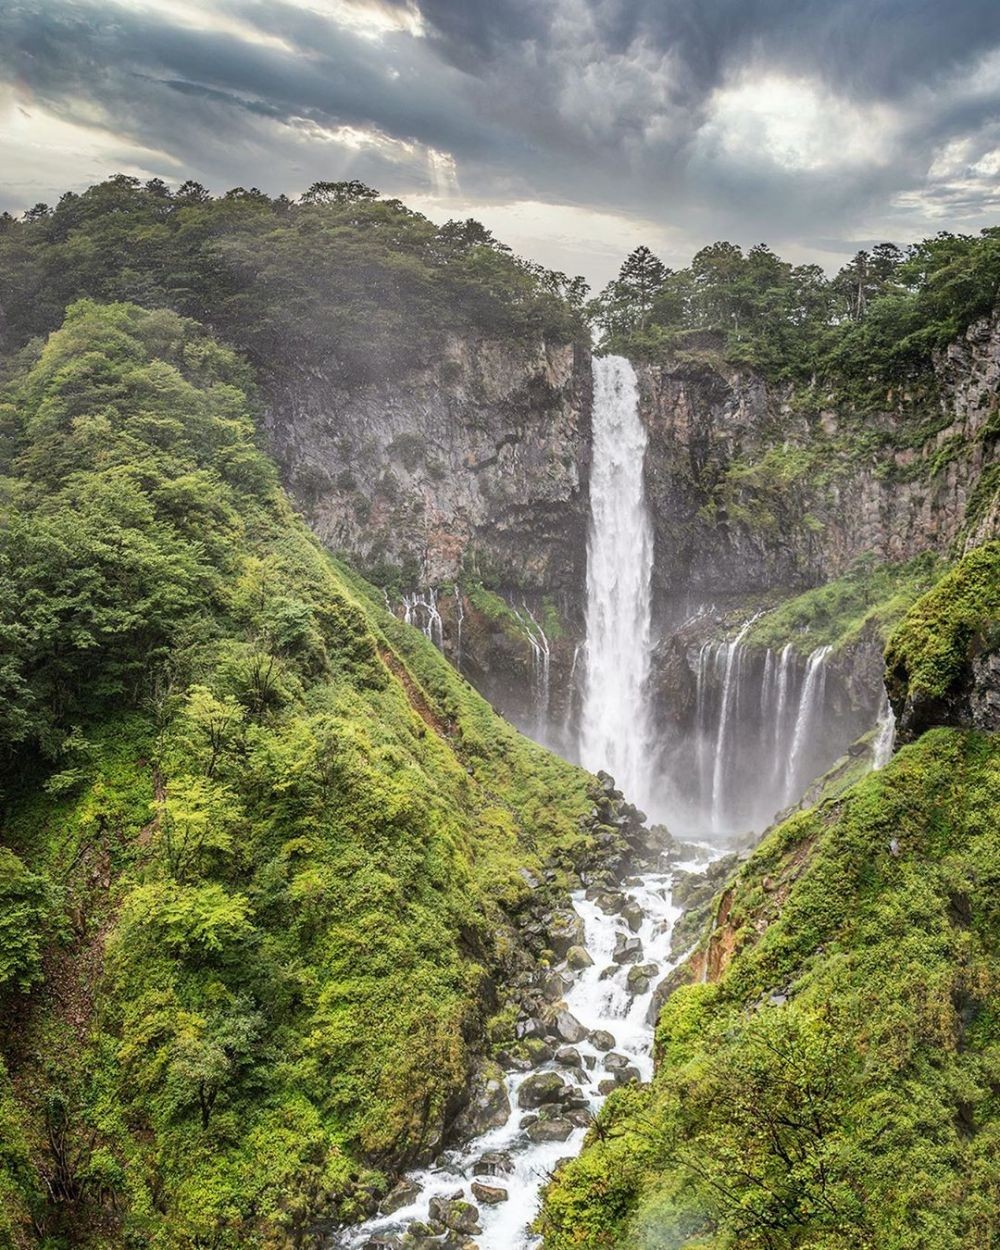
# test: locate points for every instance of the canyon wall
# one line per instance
(462, 488)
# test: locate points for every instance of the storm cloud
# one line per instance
(582, 126)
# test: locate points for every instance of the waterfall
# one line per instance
(431, 626)
(781, 706)
(810, 703)
(615, 730)
(885, 738)
(540, 657)
(732, 654)
(459, 618)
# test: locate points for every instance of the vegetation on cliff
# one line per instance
(869, 600)
(341, 277)
(870, 328)
(834, 1082)
(930, 656)
(260, 840)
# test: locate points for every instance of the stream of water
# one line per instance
(600, 1000)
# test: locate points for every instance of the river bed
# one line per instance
(600, 1000)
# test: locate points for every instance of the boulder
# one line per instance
(568, 1057)
(628, 950)
(569, 1028)
(632, 915)
(578, 958)
(540, 1088)
(401, 1195)
(488, 1106)
(489, 1195)
(639, 977)
(565, 930)
(601, 1039)
(455, 1214)
(556, 1129)
(493, 1163)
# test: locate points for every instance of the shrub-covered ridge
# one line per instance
(260, 840)
(834, 1082)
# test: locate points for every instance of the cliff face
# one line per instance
(750, 493)
(475, 465)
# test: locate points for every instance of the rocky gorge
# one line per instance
(466, 499)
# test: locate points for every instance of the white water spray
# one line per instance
(615, 730)
(732, 653)
(885, 737)
(810, 704)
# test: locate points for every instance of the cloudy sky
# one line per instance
(574, 128)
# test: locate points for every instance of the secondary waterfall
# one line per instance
(614, 729)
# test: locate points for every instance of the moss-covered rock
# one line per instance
(942, 662)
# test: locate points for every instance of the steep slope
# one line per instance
(834, 1081)
(828, 1058)
(261, 846)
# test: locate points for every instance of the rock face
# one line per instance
(776, 523)
(475, 464)
(475, 467)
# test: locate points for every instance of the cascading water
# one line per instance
(615, 722)
(810, 704)
(885, 734)
(732, 654)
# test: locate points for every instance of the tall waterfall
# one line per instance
(615, 723)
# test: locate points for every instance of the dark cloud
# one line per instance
(611, 104)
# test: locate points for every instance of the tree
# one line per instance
(352, 192)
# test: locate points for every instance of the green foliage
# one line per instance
(928, 655)
(342, 278)
(836, 1087)
(287, 831)
(26, 903)
(852, 339)
(870, 598)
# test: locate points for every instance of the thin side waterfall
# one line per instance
(885, 736)
(810, 703)
(540, 655)
(615, 723)
(781, 707)
(732, 654)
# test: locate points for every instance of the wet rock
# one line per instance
(401, 1195)
(565, 930)
(556, 984)
(556, 1129)
(455, 1214)
(611, 903)
(615, 1061)
(628, 950)
(580, 1117)
(633, 916)
(569, 1028)
(540, 1088)
(610, 971)
(493, 1163)
(568, 1057)
(489, 1195)
(531, 1026)
(639, 977)
(578, 958)
(538, 1051)
(488, 1106)
(607, 1086)
(383, 1241)
(601, 1039)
